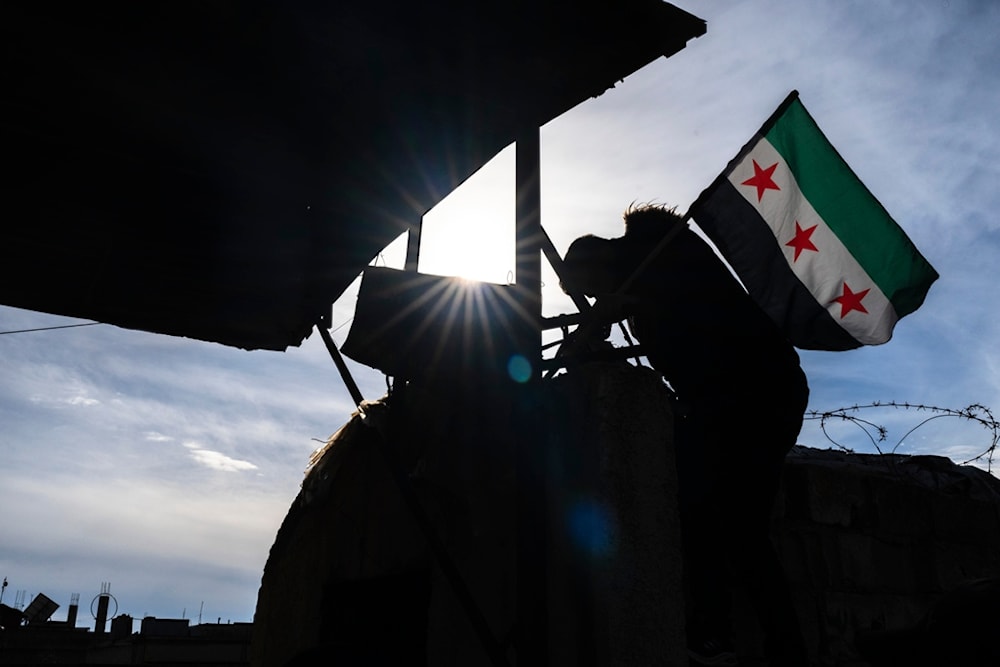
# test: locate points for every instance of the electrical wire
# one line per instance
(64, 326)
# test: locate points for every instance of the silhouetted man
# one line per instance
(740, 398)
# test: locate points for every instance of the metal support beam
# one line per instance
(528, 232)
(532, 612)
(413, 245)
(338, 360)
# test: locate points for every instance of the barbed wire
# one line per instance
(878, 433)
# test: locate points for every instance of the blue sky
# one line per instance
(165, 465)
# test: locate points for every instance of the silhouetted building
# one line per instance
(166, 642)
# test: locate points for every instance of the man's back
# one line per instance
(697, 324)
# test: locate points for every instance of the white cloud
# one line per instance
(163, 545)
(83, 400)
(219, 461)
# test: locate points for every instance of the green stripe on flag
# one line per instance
(864, 227)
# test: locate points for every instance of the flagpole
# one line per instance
(685, 221)
(747, 147)
(681, 225)
(589, 325)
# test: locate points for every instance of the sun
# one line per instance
(470, 233)
(467, 249)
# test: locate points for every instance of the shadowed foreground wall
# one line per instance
(349, 576)
(870, 543)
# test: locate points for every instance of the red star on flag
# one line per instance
(851, 301)
(761, 179)
(801, 241)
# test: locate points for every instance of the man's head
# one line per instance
(595, 266)
(649, 221)
(590, 267)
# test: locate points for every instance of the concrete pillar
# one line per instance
(612, 554)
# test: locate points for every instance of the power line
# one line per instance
(64, 326)
(90, 324)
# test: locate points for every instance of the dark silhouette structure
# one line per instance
(954, 631)
(739, 400)
(891, 559)
(158, 641)
(224, 171)
(350, 576)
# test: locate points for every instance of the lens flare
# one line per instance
(591, 527)
(519, 369)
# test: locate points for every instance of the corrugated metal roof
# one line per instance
(223, 171)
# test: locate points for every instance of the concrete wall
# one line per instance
(870, 543)
(349, 575)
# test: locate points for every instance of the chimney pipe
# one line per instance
(102, 613)
(74, 607)
(103, 601)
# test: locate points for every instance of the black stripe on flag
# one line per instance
(748, 244)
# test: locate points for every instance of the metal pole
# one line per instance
(532, 613)
(413, 245)
(338, 360)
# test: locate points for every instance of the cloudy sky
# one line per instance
(165, 465)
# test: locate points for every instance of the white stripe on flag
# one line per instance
(824, 272)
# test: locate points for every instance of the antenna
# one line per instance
(200, 610)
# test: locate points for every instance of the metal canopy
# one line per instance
(223, 171)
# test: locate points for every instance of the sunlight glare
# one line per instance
(470, 233)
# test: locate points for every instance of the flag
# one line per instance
(810, 243)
